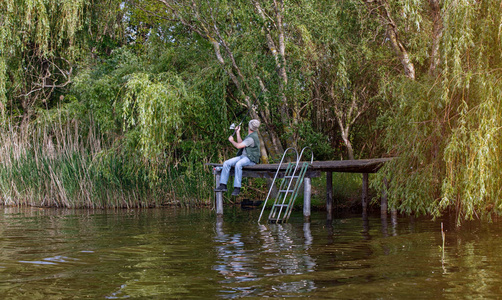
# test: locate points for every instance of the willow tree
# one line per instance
(446, 128)
(472, 86)
(37, 41)
(39, 46)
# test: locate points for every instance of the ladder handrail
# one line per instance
(275, 177)
(311, 152)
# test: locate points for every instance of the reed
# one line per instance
(64, 164)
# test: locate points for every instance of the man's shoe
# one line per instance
(221, 188)
(236, 191)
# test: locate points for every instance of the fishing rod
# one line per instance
(234, 126)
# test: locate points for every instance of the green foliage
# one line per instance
(347, 188)
(34, 32)
(446, 132)
(154, 109)
(320, 144)
(40, 44)
(340, 64)
(471, 88)
(415, 134)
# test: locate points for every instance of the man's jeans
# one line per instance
(237, 162)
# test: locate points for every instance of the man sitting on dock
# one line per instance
(248, 155)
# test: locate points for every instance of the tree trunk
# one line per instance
(437, 32)
(383, 10)
(270, 142)
(348, 144)
(278, 50)
(347, 118)
(273, 144)
(402, 54)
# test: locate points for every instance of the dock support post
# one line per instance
(329, 195)
(218, 196)
(307, 193)
(383, 203)
(364, 199)
(383, 210)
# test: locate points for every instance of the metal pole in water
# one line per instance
(383, 202)
(329, 195)
(307, 192)
(365, 193)
(218, 195)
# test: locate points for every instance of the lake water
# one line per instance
(174, 253)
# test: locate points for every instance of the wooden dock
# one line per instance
(363, 166)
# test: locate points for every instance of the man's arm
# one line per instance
(236, 144)
(238, 131)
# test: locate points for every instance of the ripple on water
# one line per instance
(51, 260)
(162, 254)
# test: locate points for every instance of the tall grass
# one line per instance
(60, 163)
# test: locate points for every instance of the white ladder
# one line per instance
(288, 189)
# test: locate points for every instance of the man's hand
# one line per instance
(238, 129)
(231, 138)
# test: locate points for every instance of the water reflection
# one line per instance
(234, 263)
(383, 219)
(308, 235)
(167, 254)
(330, 232)
(282, 251)
(393, 220)
(366, 227)
(385, 224)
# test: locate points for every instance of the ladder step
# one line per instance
(286, 191)
(281, 205)
(291, 176)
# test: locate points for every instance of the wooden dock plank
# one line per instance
(343, 166)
